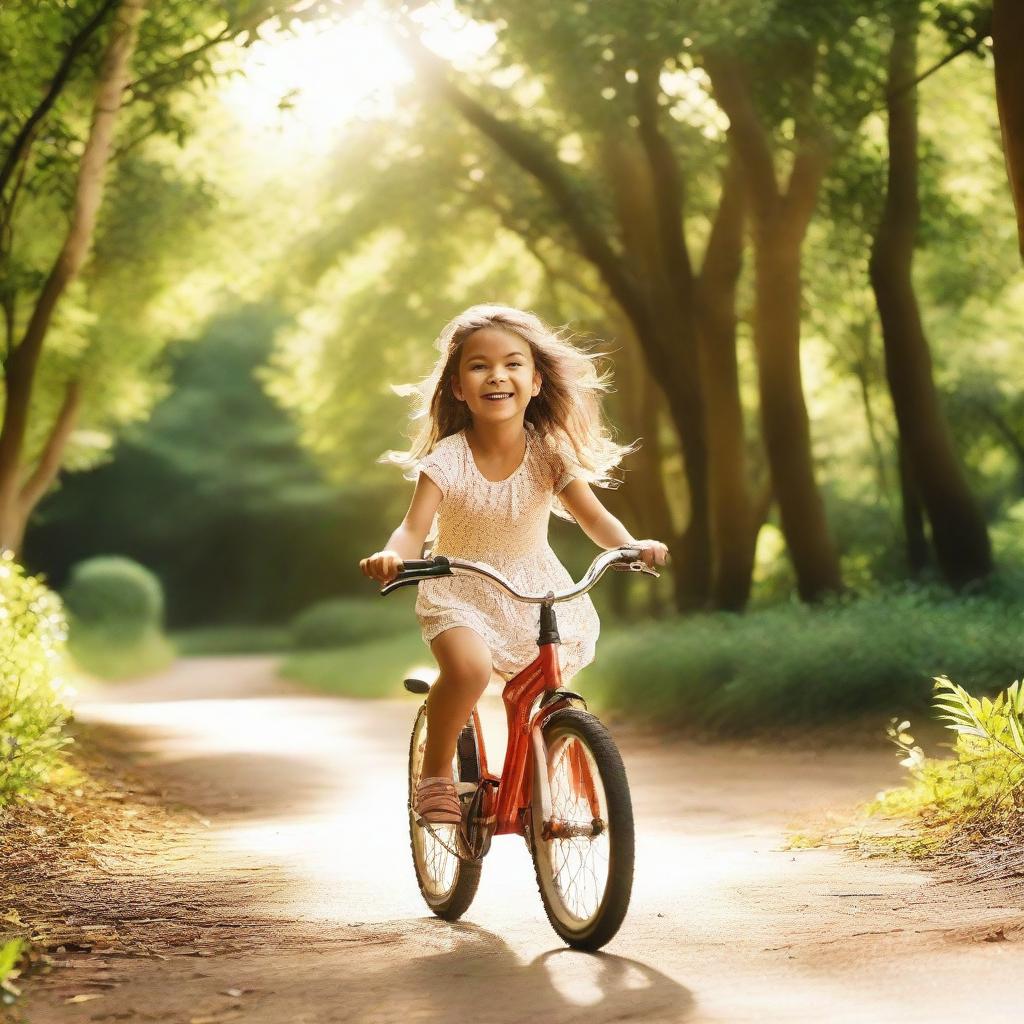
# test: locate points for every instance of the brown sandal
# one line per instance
(436, 803)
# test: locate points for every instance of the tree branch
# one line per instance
(805, 179)
(670, 195)
(50, 458)
(732, 92)
(533, 157)
(77, 43)
(982, 31)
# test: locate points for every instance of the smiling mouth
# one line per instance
(498, 396)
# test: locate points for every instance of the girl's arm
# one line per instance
(407, 540)
(601, 526)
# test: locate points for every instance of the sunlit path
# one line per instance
(306, 856)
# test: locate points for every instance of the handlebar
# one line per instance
(415, 570)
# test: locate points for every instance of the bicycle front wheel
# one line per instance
(448, 883)
(583, 853)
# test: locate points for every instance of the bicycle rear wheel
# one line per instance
(583, 854)
(447, 882)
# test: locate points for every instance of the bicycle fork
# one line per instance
(581, 782)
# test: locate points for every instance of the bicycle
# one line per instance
(562, 785)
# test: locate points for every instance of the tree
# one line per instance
(18, 498)
(57, 130)
(623, 204)
(1007, 33)
(930, 469)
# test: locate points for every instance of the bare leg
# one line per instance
(465, 664)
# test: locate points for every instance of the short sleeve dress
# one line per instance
(505, 524)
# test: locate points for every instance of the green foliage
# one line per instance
(342, 621)
(114, 594)
(794, 666)
(216, 494)
(214, 640)
(32, 663)
(116, 612)
(10, 953)
(110, 655)
(978, 792)
(371, 670)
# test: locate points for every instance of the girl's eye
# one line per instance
(515, 364)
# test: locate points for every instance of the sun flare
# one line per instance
(299, 88)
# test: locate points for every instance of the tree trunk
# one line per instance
(666, 332)
(20, 365)
(913, 517)
(784, 420)
(732, 525)
(780, 221)
(958, 530)
(1008, 49)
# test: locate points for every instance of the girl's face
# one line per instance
(496, 377)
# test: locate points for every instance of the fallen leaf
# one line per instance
(84, 997)
(233, 992)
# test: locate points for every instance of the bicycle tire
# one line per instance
(450, 900)
(598, 928)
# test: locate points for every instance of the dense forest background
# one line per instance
(227, 229)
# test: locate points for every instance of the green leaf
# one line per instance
(1018, 737)
(9, 955)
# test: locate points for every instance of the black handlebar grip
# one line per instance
(416, 569)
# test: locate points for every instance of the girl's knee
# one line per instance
(463, 657)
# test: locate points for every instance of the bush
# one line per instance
(975, 796)
(798, 665)
(116, 609)
(342, 621)
(115, 595)
(32, 715)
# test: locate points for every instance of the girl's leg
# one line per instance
(465, 664)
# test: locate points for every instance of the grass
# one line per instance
(110, 656)
(213, 640)
(371, 670)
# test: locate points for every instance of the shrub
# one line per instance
(115, 609)
(32, 715)
(798, 665)
(976, 795)
(115, 595)
(343, 621)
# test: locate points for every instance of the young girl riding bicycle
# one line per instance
(512, 431)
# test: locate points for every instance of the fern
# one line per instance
(997, 723)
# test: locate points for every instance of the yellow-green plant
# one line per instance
(980, 788)
(32, 712)
(10, 953)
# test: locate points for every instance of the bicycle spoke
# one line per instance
(579, 863)
(437, 845)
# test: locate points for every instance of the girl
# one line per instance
(512, 430)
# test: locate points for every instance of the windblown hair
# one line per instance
(566, 415)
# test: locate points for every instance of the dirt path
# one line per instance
(289, 895)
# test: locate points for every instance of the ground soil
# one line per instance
(241, 855)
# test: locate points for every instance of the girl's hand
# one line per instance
(653, 552)
(383, 566)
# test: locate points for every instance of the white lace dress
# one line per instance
(505, 524)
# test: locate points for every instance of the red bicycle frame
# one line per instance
(514, 796)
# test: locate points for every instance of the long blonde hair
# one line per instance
(566, 415)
